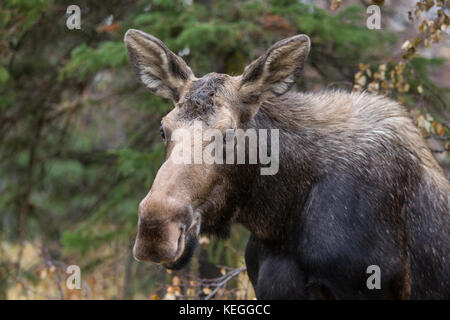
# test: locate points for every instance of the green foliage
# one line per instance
(82, 241)
(23, 14)
(133, 162)
(86, 60)
(4, 74)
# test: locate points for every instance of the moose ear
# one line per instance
(274, 73)
(159, 69)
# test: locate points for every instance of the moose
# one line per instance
(357, 185)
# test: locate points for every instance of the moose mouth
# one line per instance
(190, 243)
(187, 242)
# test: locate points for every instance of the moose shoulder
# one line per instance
(355, 185)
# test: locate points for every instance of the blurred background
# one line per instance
(79, 140)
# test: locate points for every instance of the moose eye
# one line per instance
(161, 132)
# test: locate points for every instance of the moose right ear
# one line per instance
(158, 68)
(275, 72)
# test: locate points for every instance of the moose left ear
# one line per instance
(158, 68)
(274, 73)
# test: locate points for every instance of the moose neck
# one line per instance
(271, 202)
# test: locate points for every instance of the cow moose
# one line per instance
(357, 185)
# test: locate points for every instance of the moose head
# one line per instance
(186, 199)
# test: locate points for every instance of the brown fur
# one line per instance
(357, 184)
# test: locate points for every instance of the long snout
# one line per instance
(159, 243)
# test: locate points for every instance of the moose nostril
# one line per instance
(181, 236)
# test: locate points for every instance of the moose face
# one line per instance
(188, 197)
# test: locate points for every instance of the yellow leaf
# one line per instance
(423, 26)
(373, 87)
(406, 87)
(420, 89)
(362, 81)
(336, 4)
(204, 241)
(176, 281)
(417, 13)
(169, 296)
(406, 45)
(206, 290)
(440, 129)
(416, 41)
(422, 123)
(190, 292)
(43, 274)
(429, 4)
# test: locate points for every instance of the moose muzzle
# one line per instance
(162, 230)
